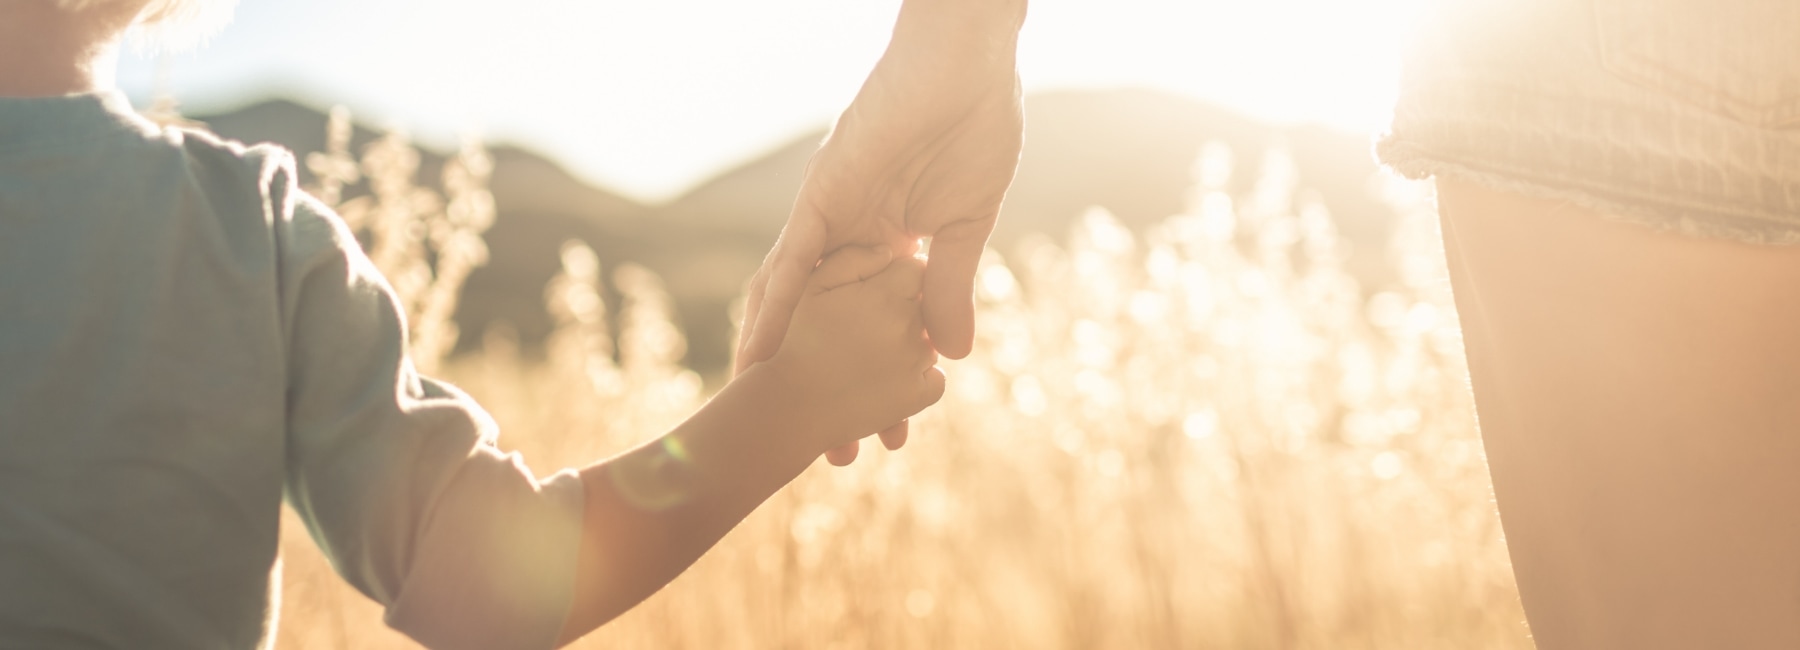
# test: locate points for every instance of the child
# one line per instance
(187, 340)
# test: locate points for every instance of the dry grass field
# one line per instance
(1206, 435)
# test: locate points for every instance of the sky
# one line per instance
(651, 97)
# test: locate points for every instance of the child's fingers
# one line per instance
(894, 437)
(849, 265)
(928, 357)
(902, 278)
(843, 454)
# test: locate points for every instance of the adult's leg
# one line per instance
(1639, 399)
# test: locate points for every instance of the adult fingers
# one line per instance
(933, 389)
(849, 265)
(795, 254)
(949, 289)
(752, 306)
(844, 454)
(894, 437)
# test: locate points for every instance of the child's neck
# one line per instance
(45, 51)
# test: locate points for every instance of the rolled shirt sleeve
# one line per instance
(397, 476)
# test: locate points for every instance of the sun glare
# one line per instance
(651, 98)
(1283, 60)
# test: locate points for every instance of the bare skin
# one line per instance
(927, 149)
(855, 359)
(45, 51)
(1639, 396)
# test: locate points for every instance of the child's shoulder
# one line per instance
(260, 179)
(266, 171)
(250, 194)
(98, 143)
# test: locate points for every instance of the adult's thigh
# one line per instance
(1639, 400)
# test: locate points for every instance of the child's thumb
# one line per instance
(850, 264)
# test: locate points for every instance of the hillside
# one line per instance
(1128, 151)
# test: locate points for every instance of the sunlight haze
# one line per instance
(650, 98)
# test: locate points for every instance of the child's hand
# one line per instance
(856, 347)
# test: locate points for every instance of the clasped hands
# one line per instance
(926, 150)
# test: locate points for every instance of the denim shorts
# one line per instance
(1683, 115)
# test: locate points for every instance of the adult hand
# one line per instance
(927, 149)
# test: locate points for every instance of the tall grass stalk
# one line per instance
(1206, 435)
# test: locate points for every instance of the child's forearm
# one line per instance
(655, 510)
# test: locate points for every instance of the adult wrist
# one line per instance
(980, 33)
(996, 14)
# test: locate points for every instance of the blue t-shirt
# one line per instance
(186, 339)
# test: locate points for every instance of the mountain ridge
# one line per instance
(1129, 151)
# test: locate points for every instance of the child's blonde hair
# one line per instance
(170, 23)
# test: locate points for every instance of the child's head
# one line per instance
(59, 47)
(166, 23)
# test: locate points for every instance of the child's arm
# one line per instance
(854, 361)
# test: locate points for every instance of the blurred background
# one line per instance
(671, 134)
(1217, 399)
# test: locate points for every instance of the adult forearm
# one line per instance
(973, 32)
(997, 14)
(652, 512)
